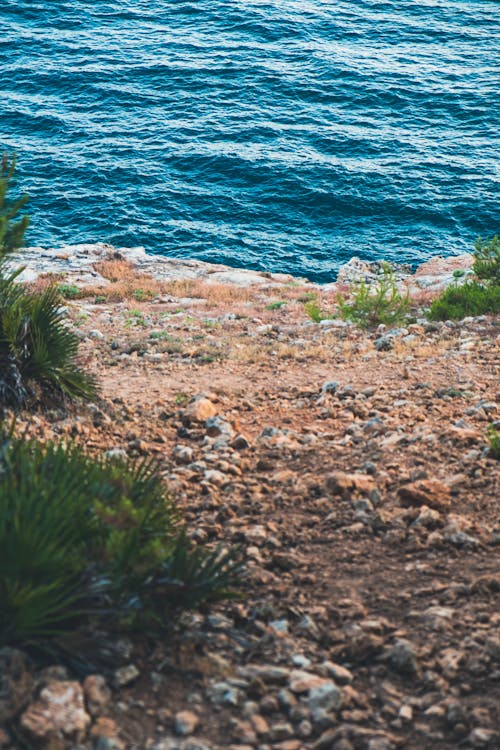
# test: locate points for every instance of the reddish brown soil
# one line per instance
(361, 576)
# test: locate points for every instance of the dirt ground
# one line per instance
(359, 485)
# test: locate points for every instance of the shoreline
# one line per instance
(76, 264)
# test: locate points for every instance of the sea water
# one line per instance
(285, 135)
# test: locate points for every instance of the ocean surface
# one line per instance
(284, 135)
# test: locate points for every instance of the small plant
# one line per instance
(373, 304)
(479, 295)
(11, 231)
(37, 349)
(493, 437)
(141, 295)
(135, 318)
(276, 305)
(181, 399)
(472, 298)
(315, 312)
(93, 540)
(69, 291)
(486, 264)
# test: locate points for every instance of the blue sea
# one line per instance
(283, 135)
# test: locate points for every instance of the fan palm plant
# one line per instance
(36, 345)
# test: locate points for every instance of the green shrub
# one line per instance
(315, 312)
(37, 349)
(11, 232)
(493, 437)
(472, 298)
(93, 540)
(478, 296)
(486, 264)
(373, 304)
(69, 291)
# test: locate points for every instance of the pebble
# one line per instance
(480, 737)
(223, 693)
(340, 674)
(200, 409)
(125, 675)
(182, 454)
(97, 693)
(185, 722)
(60, 709)
(402, 657)
(95, 334)
(326, 696)
(303, 682)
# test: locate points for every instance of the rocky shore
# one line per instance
(356, 477)
(77, 264)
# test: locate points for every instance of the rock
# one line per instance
(259, 724)
(430, 492)
(219, 427)
(402, 658)
(200, 409)
(59, 711)
(305, 729)
(461, 539)
(97, 694)
(279, 627)
(16, 683)
(243, 732)
(340, 482)
(282, 730)
(480, 737)
(343, 745)
(223, 693)
(330, 386)
(167, 743)
(354, 271)
(384, 343)
(118, 453)
(326, 740)
(303, 682)
(182, 455)
(269, 704)
(326, 696)
(379, 743)
(125, 675)
(287, 745)
(240, 443)
(492, 647)
(193, 743)
(105, 735)
(406, 713)
(215, 477)
(450, 660)
(339, 673)
(186, 722)
(95, 334)
(455, 714)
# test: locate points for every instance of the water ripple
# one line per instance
(272, 134)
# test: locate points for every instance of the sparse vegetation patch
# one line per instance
(87, 540)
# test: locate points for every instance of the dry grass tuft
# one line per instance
(44, 282)
(125, 282)
(254, 352)
(214, 294)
